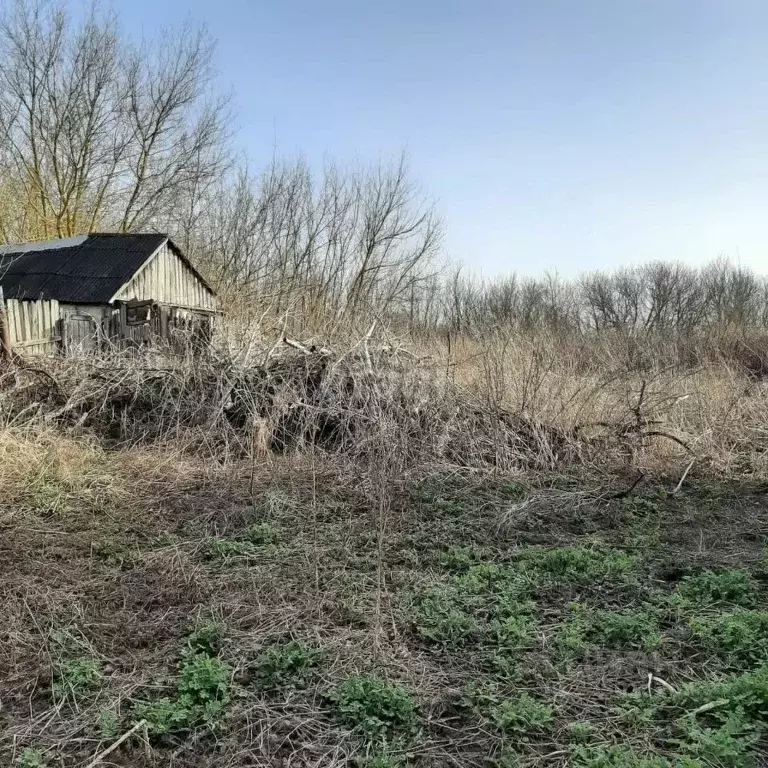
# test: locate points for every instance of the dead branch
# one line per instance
(100, 757)
(658, 433)
(682, 480)
(627, 491)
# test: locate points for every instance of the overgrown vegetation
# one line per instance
(321, 610)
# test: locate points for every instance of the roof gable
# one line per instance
(88, 269)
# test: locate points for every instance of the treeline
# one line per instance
(99, 132)
(351, 246)
(658, 298)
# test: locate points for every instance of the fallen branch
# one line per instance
(710, 706)
(682, 480)
(109, 750)
(306, 350)
(296, 345)
(657, 433)
(663, 683)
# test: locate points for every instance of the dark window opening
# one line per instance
(138, 314)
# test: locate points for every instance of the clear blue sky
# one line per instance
(561, 134)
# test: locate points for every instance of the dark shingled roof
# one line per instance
(85, 270)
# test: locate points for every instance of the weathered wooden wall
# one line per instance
(34, 325)
(97, 311)
(176, 325)
(168, 280)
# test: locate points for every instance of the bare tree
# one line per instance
(399, 235)
(341, 245)
(97, 133)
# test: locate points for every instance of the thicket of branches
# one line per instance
(319, 249)
(98, 132)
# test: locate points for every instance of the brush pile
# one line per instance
(289, 397)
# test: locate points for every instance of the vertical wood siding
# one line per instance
(168, 280)
(33, 325)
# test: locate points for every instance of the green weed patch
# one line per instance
(740, 638)
(202, 690)
(579, 565)
(377, 709)
(734, 587)
(283, 665)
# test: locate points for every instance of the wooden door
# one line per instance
(80, 335)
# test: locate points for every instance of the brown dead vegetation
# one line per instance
(217, 406)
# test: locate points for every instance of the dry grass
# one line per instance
(719, 410)
(507, 402)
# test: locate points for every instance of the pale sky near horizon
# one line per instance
(552, 134)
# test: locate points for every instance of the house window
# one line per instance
(138, 314)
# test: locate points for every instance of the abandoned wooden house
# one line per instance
(83, 293)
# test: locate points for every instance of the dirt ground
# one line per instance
(540, 620)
